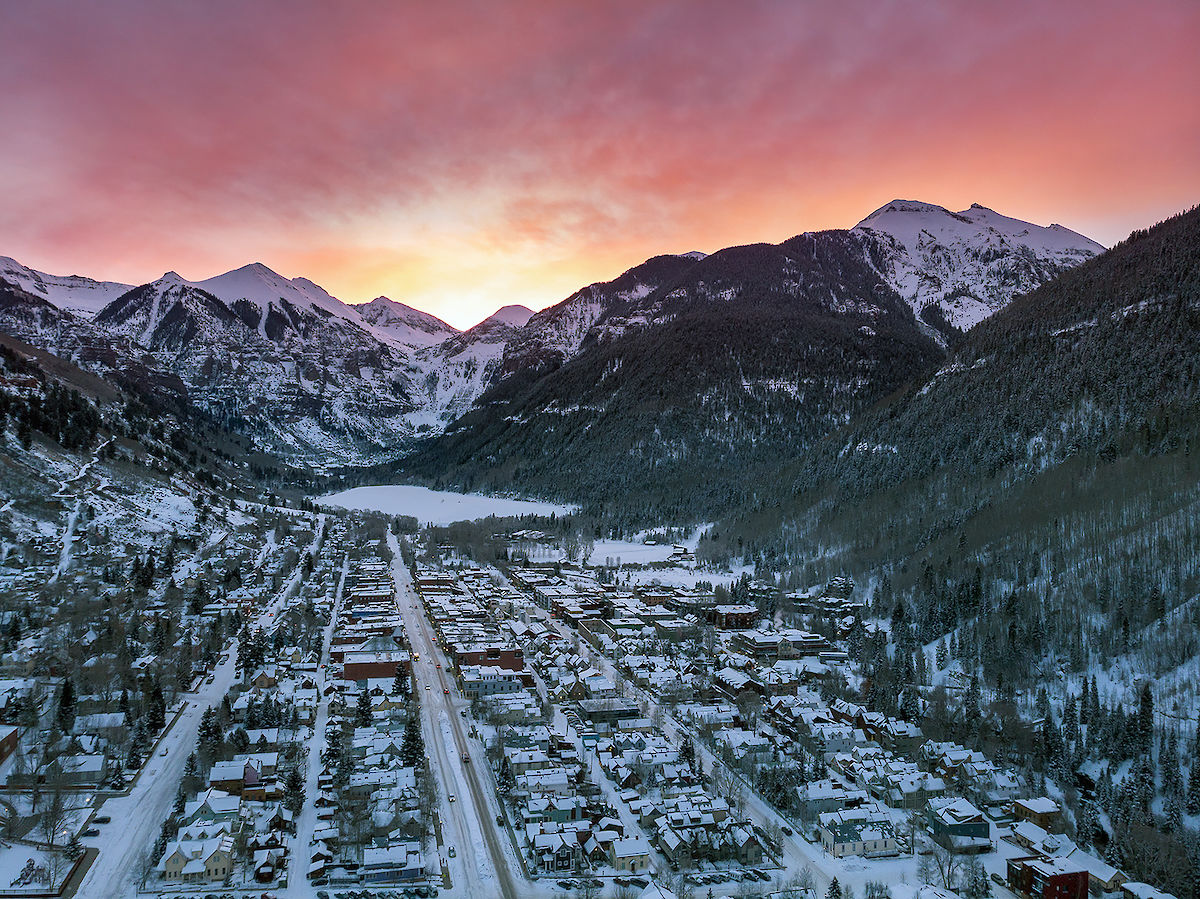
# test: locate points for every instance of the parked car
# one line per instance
(101, 819)
(450, 797)
(91, 832)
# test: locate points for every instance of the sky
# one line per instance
(462, 156)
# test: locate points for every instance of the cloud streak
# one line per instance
(461, 156)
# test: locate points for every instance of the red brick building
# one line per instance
(1047, 878)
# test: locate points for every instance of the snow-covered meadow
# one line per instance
(438, 507)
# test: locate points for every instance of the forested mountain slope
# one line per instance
(678, 393)
(1040, 492)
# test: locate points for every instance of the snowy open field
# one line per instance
(439, 507)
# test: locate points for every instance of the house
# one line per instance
(1047, 878)
(632, 855)
(1042, 811)
(957, 825)
(79, 770)
(197, 861)
(1138, 890)
(746, 847)
(821, 796)
(212, 805)
(265, 678)
(392, 864)
(865, 831)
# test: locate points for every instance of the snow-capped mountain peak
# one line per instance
(407, 325)
(513, 315)
(74, 293)
(970, 263)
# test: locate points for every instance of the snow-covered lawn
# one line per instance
(438, 507)
(17, 874)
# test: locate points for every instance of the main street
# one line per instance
(468, 823)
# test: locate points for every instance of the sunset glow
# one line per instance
(459, 157)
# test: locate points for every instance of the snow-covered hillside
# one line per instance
(556, 333)
(73, 293)
(973, 262)
(451, 375)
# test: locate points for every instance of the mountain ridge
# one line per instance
(325, 382)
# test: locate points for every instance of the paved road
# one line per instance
(298, 885)
(472, 814)
(126, 842)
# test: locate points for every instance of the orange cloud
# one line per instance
(467, 155)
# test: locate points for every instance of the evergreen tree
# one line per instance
(1146, 717)
(363, 714)
(64, 714)
(412, 749)
(293, 790)
(1193, 788)
(687, 751)
(835, 890)
(400, 685)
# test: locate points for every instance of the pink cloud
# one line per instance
(408, 148)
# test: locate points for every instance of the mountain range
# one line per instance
(715, 359)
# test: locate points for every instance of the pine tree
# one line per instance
(835, 890)
(400, 685)
(412, 749)
(1193, 789)
(64, 715)
(687, 751)
(1146, 717)
(74, 849)
(293, 788)
(363, 714)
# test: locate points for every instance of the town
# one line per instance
(349, 708)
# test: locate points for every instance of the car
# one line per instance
(101, 819)
(439, 664)
(321, 894)
(450, 797)
(446, 690)
(92, 832)
(500, 820)
(427, 686)
(451, 852)
(466, 759)
(211, 679)
(787, 831)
